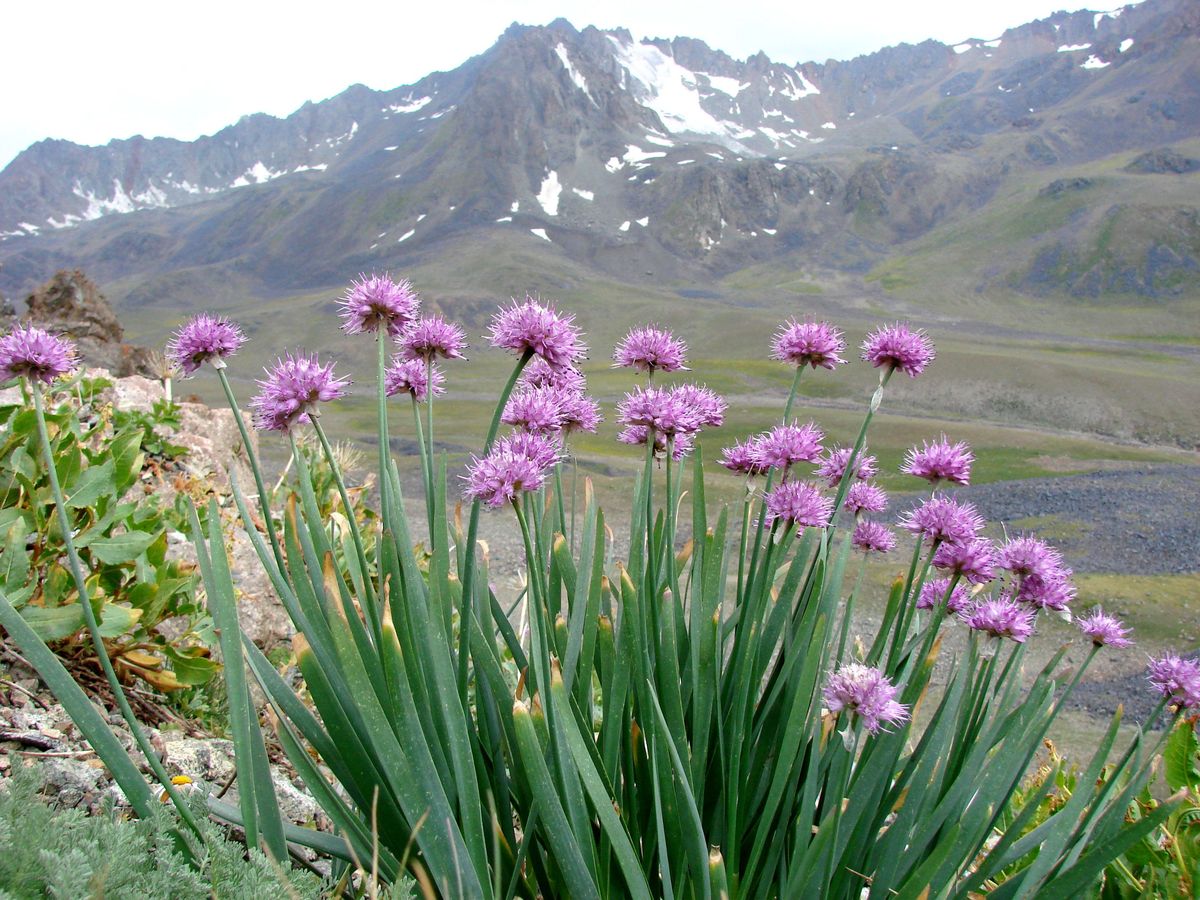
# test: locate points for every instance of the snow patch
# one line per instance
(540, 232)
(806, 88)
(119, 202)
(1071, 48)
(781, 165)
(1126, 44)
(770, 231)
(644, 221)
(576, 75)
(624, 226)
(319, 167)
(548, 195)
(715, 155)
(408, 105)
(963, 48)
(391, 148)
(725, 84)
(684, 162)
(614, 165)
(504, 219)
(586, 195)
(1099, 17)
(516, 206)
(660, 141)
(635, 154)
(1094, 62)
(993, 44)
(406, 235)
(830, 126)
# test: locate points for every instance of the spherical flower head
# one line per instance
(502, 476)
(933, 591)
(35, 354)
(834, 462)
(1001, 617)
(873, 537)
(681, 444)
(974, 560)
(202, 339)
(579, 411)
(539, 373)
(534, 409)
(784, 445)
(709, 406)
(1054, 591)
(866, 693)
(897, 346)
(799, 502)
(292, 390)
(943, 520)
(537, 328)
(431, 337)
(411, 376)
(940, 461)
(1027, 555)
(659, 409)
(650, 349)
(1177, 679)
(740, 459)
(865, 496)
(375, 300)
(544, 449)
(816, 344)
(1104, 630)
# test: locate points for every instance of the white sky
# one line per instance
(92, 71)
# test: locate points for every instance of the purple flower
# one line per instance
(1055, 591)
(544, 449)
(35, 354)
(740, 458)
(808, 344)
(1027, 555)
(865, 496)
(202, 339)
(874, 537)
(834, 462)
(681, 444)
(940, 461)
(709, 406)
(502, 475)
(898, 347)
(431, 337)
(1001, 617)
(659, 409)
(291, 391)
(933, 591)
(539, 373)
(375, 300)
(867, 694)
(650, 349)
(537, 328)
(784, 445)
(974, 560)
(579, 411)
(409, 376)
(1104, 630)
(535, 409)
(943, 520)
(1177, 679)
(799, 502)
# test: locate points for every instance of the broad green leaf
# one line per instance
(121, 548)
(94, 483)
(1179, 757)
(127, 457)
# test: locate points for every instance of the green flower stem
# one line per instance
(848, 476)
(426, 468)
(93, 626)
(385, 448)
(429, 434)
(747, 507)
(791, 399)
(264, 504)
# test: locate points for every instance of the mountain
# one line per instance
(1066, 148)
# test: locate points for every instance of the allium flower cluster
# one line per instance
(834, 462)
(816, 344)
(292, 389)
(1043, 580)
(940, 461)
(740, 459)
(202, 339)
(376, 300)
(681, 444)
(660, 409)
(650, 349)
(1001, 617)
(431, 337)
(1177, 679)
(865, 496)
(544, 449)
(411, 376)
(897, 346)
(579, 411)
(873, 537)
(539, 373)
(933, 591)
(974, 559)
(785, 445)
(800, 503)
(1104, 630)
(537, 328)
(1055, 591)
(538, 410)
(709, 406)
(943, 520)
(512, 467)
(867, 694)
(33, 353)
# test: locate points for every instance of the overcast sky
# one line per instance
(92, 71)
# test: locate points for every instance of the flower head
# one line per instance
(1001, 617)
(865, 496)
(431, 337)
(873, 537)
(808, 344)
(709, 406)
(933, 591)
(867, 694)
(784, 445)
(681, 444)
(1054, 591)
(374, 300)
(1177, 679)
(535, 409)
(202, 339)
(579, 411)
(35, 354)
(544, 449)
(834, 462)
(650, 349)
(409, 376)
(943, 520)
(1104, 630)
(502, 475)
(292, 389)
(940, 461)
(740, 458)
(1027, 555)
(534, 327)
(539, 373)
(659, 409)
(974, 559)
(799, 502)
(898, 347)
